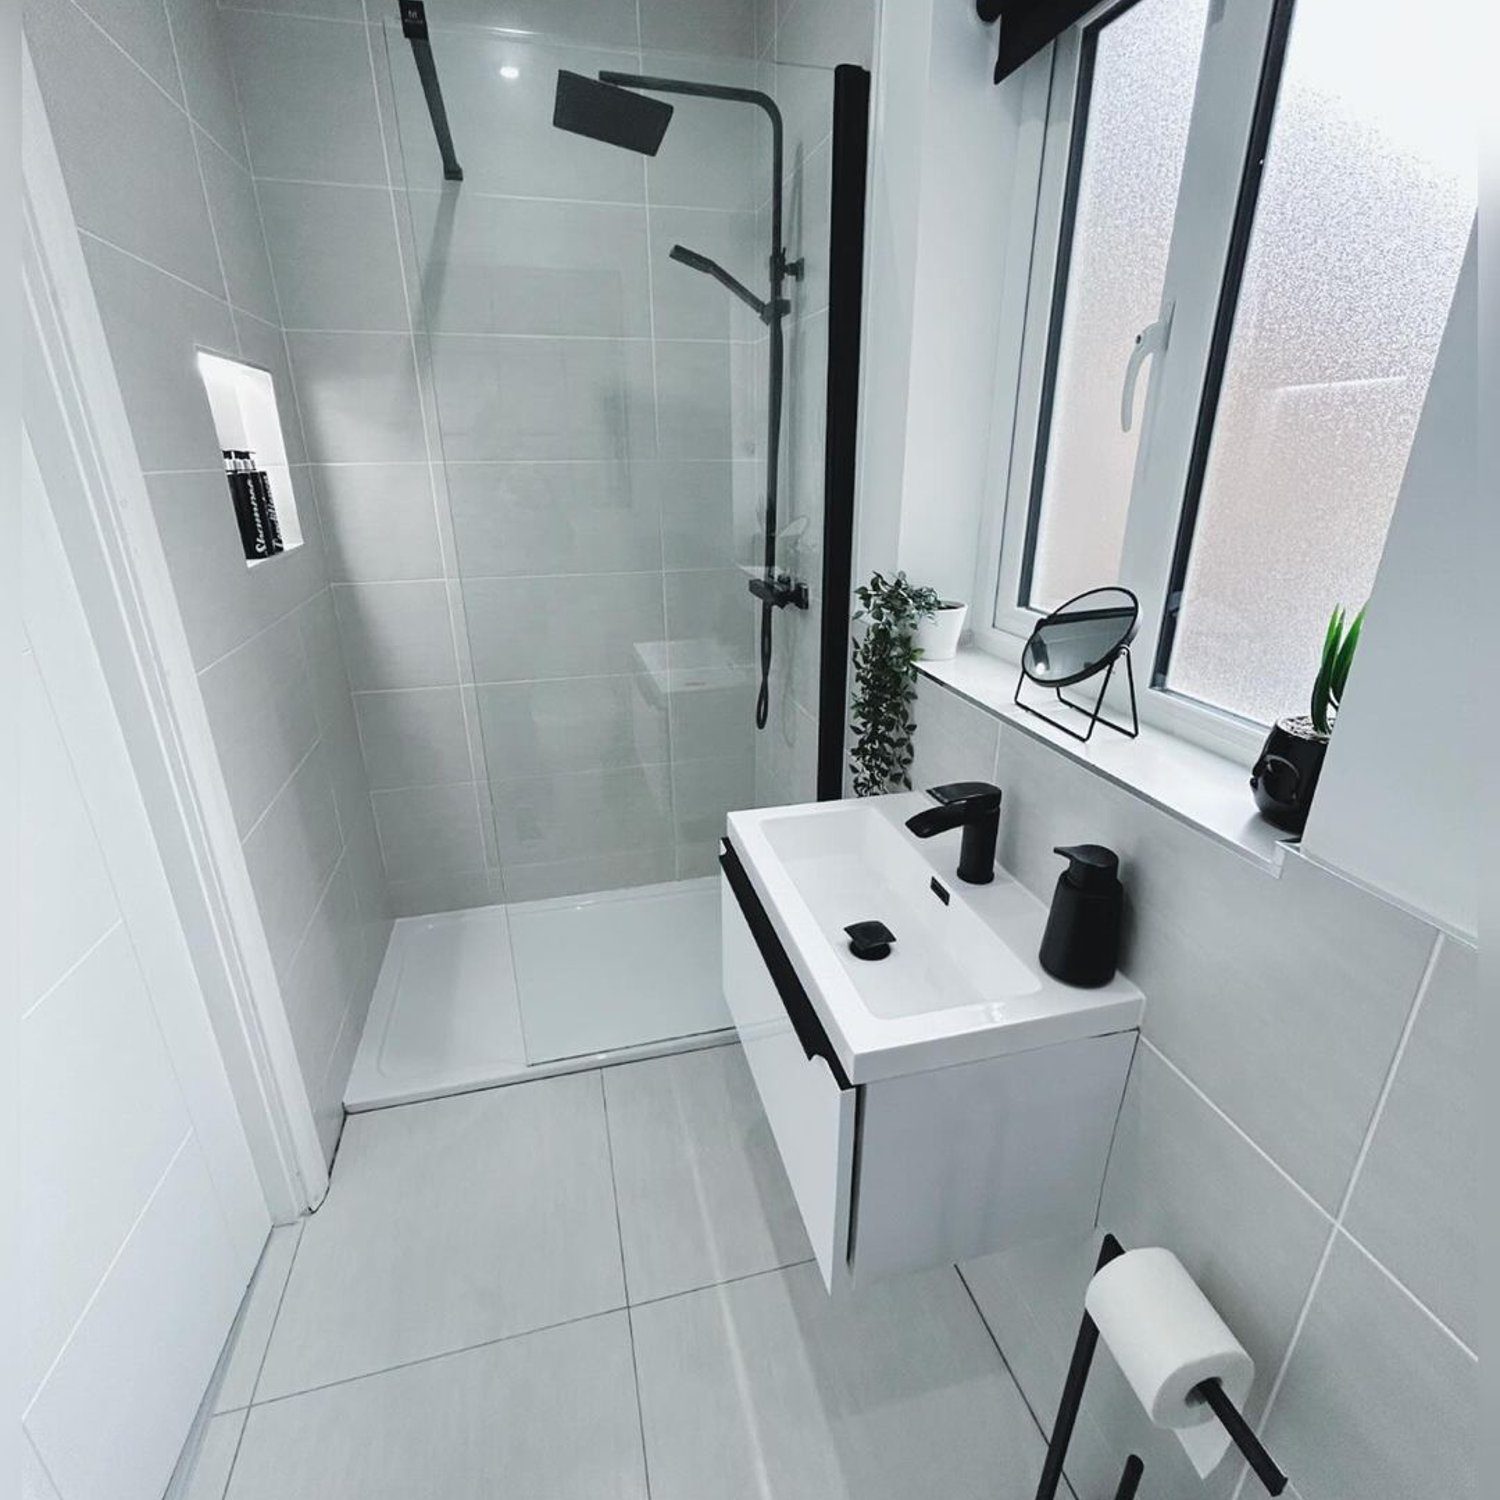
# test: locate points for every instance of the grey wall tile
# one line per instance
(264, 345)
(335, 256)
(321, 978)
(712, 712)
(222, 601)
(955, 741)
(601, 22)
(711, 619)
(153, 324)
(358, 396)
(571, 724)
(260, 706)
(596, 872)
(704, 156)
(413, 738)
(126, 149)
(207, 77)
(1416, 1204)
(718, 27)
(529, 628)
(598, 517)
(692, 399)
(544, 398)
(429, 831)
(1283, 999)
(532, 266)
(547, 819)
(379, 522)
(1378, 1401)
(1182, 1178)
(503, 128)
(705, 791)
(308, 97)
(140, 27)
(825, 33)
(291, 853)
(335, 10)
(700, 509)
(236, 221)
(689, 305)
(396, 635)
(459, 892)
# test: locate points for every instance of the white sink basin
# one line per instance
(849, 864)
(961, 982)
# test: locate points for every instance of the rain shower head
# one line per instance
(604, 112)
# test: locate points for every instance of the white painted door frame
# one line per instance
(76, 417)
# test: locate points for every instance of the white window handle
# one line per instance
(1152, 339)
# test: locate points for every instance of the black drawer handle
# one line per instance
(799, 1009)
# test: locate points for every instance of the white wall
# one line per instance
(1400, 789)
(139, 1214)
(942, 167)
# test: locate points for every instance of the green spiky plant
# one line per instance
(885, 678)
(1339, 643)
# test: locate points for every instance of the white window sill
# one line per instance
(1193, 785)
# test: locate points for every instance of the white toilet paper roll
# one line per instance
(1166, 1338)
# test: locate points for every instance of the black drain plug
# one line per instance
(870, 940)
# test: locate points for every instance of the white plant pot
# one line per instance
(937, 638)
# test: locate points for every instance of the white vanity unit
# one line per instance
(945, 1101)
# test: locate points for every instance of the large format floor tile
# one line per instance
(703, 1196)
(550, 1415)
(449, 1224)
(767, 1389)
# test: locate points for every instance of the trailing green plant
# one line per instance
(1333, 672)
(885, 677)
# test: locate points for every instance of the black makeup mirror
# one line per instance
(1079, 641)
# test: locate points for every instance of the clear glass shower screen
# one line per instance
(596, 437)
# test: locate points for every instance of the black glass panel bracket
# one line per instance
(1081, 640)
(1211, 1392)
(1268, 89)
(414, 29)
(846, 253)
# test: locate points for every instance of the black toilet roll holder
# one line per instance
(1210, 1392)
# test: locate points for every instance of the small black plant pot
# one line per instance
(1285, 775)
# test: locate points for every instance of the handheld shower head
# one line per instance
(605, 112)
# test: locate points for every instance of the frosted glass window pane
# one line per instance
(1145, 69)
(1365, 207)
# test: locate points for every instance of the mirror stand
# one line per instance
(1095, 715)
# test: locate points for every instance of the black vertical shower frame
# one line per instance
(846, 254)
(1267, 91)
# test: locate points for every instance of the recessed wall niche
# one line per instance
(242, 398)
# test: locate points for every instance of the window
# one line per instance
(1277, 195)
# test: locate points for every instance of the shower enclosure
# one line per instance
(598, 425)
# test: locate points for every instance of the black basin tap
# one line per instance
(973, 806)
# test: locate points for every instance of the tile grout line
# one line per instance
(1020, 1389)
(635, 1368)
(1345, 1199)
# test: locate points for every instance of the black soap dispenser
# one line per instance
(1082, 942)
